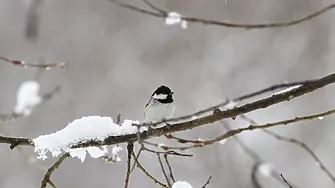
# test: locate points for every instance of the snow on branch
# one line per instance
(27, 97)
(175, 18)
(92, 128)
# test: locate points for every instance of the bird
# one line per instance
(160, 106)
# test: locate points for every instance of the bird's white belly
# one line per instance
(156, 112)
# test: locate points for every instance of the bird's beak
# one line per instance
(171, 93)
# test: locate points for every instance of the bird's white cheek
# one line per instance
(160, 96)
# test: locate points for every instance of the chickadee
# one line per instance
(160, 105)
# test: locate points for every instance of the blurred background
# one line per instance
(117, 58)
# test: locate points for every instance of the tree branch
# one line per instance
(161, 14)
(130, 149)
(25, 64)
(230, 113)
(288, 184)
(249, 128)
(146, 172)
(169, 166)
(163, 170)
(47, 176)
(301, 144)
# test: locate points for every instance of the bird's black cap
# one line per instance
(163, 90)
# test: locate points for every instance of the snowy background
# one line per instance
(117, 58)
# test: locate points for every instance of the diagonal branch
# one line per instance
(47, 176)
(227, 24)
(209, 119)
(287, 183)
(169, 166)
(318, 161)
(249, 128)
(146, 172)
(163, 170)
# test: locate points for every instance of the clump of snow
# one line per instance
(27, 98)
(82, 130)
(115, 153)
(181, 184)
(175, 18)
(95, 152)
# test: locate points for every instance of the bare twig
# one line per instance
(163, 170)
(301, 144)
(171, 152)
(227, 24)
(169, 166)
(137, 158)
(130, 149)
(52, 184)
(249, 128)
(244, 147)
(47, 176)
(147, 173)
(25, 64)
(290, 186)
(153, 7)
(207, 182)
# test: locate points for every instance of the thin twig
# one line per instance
(171, 152)
(25, 64)
(130, 149)
(47, 176)
(249, 128)
(169, 166)
(147, 173)
(52, 184)
(207, 182)
(301, 144)
(243, 145)
(163, 170)
(137, 158)
(153, 7)
(290, 186)
(227, 24)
